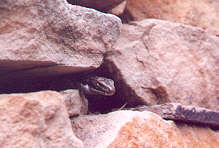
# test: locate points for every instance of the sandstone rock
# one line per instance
(75, 104)
(122, 129)
(119, 9)
(155, 62)
(43, 37)
(97, 4)
(183, 113)
(35, 120)
(198, 137)
(194, 12)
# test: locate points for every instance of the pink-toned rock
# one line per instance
(97, 4)
(193, 12)
(43, 37)
(155, 62)
(119, 9)
(122, 129)
(75, 104)
(35, 120)
(198, 137)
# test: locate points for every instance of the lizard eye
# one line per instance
(98, 84)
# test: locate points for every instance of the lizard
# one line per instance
(96, 85)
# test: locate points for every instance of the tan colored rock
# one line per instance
(155, 62)
(43, 37)
(202, 13)
(35, 120)
(198, 137)
(75, 104)
(119, 9)
(122, 129)
(97, 4)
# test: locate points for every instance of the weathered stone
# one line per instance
(139, 129)
(183, 113)
(156, 61)
(198, 137)
(119, 9)
(193, 12)
(97, 4)
(43, 37)
(75, 104)
(35, 120)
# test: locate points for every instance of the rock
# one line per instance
(139, 129)
(119, 9)
(41, 38)
(183, 113)
(97, 4)
(156, 61)
(197, 137)
(75, 104)
(35, 120)
(192, 12)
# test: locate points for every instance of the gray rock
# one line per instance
(184, 113)
(43, 37)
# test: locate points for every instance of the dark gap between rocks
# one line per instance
(126, 17)
(88, 4)
(100, 104)
(120, 100)
(105, 104)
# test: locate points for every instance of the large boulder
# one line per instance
(122, 129)
(156, 61)
(43, 37)
(35, 120)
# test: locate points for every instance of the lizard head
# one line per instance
(98, 86)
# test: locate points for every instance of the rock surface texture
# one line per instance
(184, 113)
(193, 12)
(35, 120)
(119, 9)
(97, 66)
(42, 37)
(122, 129)
(75, 104)
(158, 61)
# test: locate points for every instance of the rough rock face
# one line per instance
(75, 104)
(119, 9)
(197, 137)
(202, 13)
(43, 37)
(158, 61)
(35, 120)
(122, 129)
(97, 4)
(184, 113)
(53, 45)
